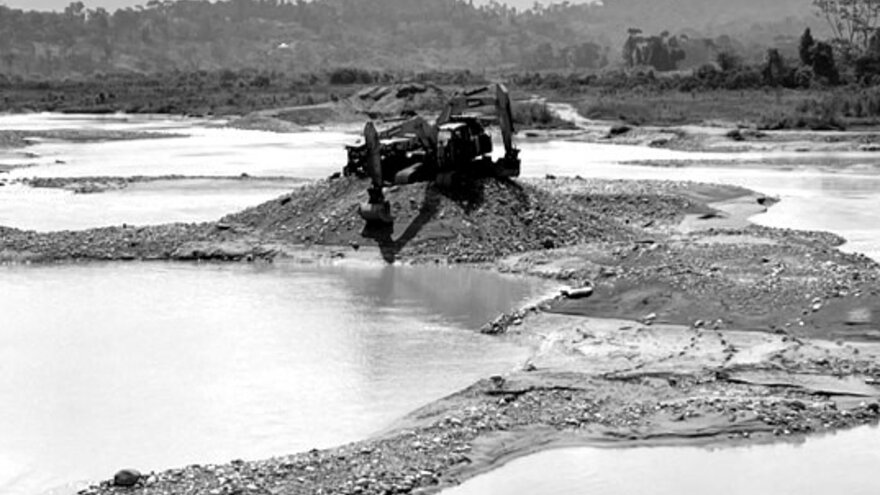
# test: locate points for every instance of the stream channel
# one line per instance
(153, 365)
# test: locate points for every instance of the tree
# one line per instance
(728, 61)
(824, 64)
(852, 21)
(775, 72)
(806, 47)
(660, 52)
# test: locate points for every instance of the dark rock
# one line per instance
(736, 135)
(618, 130)
(127, 477)
(578, 293)
(710, 216)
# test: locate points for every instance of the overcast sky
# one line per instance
(115, 4)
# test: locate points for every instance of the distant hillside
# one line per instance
(375, 34)
(59, 5)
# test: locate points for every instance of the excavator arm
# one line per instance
(509, 165)
(376, 209)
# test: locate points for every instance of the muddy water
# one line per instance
(193, 147)
(148, 203)
(841, 463)
(156, 365)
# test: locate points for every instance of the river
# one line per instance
(152, 365)
(104, 366)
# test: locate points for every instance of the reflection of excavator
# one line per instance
(456, 145)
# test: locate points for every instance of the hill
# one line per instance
(194, 35)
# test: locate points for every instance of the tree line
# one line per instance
(298, 35)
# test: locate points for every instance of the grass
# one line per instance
(765, 109)
(537, 115)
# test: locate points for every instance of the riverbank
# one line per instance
(699, 327)
(99, 184)
(22, 138)
(720, 137)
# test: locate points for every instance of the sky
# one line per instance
(116, 4)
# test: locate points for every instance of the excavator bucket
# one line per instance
(378, 212)
(376, 209)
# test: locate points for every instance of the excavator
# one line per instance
(456, 146)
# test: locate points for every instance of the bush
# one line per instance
(537, 115)
(350, 75)
(630, 112)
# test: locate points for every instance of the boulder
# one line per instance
(127, 477)
(618, 130)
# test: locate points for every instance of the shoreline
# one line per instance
(652, 399)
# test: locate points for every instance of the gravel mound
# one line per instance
(387, 101)
(478, 221)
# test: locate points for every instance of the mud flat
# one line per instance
(99, 184)
(683, 322)
(727, 138)
(22, 138)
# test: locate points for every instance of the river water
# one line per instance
(153, 365)
(841, 463)
(156, 365)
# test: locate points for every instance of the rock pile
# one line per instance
(387, 101)
(475, 222)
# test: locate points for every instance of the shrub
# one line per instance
(350, 75)
(537, 115)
